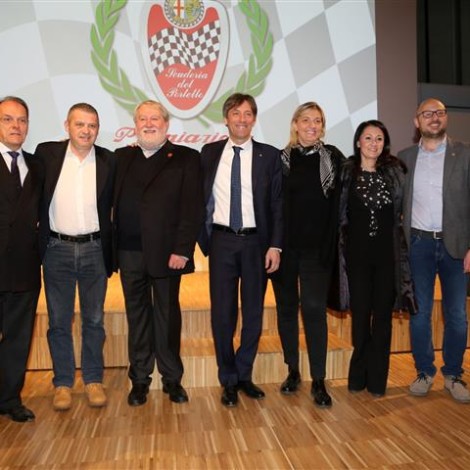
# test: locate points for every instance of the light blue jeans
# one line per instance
(428, 258)
(66, 265)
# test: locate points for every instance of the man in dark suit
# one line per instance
(242, 236)
(75, 243)
(436, 220)
(158, 213)
(20, 277)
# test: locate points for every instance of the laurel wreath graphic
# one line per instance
(115, 81)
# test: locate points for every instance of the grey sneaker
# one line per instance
(422, 384)
(457, 388)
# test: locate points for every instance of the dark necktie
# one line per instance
(236, 221)
(15, 172)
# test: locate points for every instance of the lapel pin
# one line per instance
(169, 155)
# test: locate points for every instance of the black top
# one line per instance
(371, 216)
(309, 210)
(139, 174)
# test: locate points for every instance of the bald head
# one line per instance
(430, 103)
(431, 120)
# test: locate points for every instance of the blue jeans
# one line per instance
(429, 257)
(65, 265)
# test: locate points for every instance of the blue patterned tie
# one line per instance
(15, 172)
(236, 220)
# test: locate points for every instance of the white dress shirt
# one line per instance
(221, 188)
(23, 169)
(73, 210)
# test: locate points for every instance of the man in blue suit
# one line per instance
(242, 236)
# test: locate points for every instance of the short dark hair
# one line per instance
(18, 100)
(88, 108)
(236, 99)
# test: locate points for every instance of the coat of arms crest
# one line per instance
(185, 50)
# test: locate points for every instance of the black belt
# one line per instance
(426, 234)
(241, 232)
(88, 237)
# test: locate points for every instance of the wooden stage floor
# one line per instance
(397, 431)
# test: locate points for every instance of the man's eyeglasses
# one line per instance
(440, 113)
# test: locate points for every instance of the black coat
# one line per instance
(171, 208)
(19, 252)
(394, 176)
(52, 155)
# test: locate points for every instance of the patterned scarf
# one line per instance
(327, 167)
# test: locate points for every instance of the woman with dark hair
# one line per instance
(372, 252)
(311, 202)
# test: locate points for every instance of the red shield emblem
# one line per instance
(185, 51)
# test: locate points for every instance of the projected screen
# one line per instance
(190, 55)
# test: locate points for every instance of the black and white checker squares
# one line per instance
(172, 46)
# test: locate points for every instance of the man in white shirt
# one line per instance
(242, 236)
(20, 276)
(75, 242)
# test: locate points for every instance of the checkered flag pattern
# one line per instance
(173, 46)
(318, 54)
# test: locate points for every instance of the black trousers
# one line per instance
(372, 293)
(18, 312)
(236, 262)
(305, 272)
(154, 321)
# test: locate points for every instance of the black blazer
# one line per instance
(267, 187)
(52, 155)
(171, 208)
(19, 253)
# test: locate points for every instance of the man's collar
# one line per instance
(247, 145)
(149, 152)
(5, 149)
(442, 144)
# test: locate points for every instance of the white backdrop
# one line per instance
(283, 52)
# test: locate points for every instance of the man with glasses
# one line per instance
(20, 279)
(437, 227)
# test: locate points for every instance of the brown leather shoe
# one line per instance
(96, 396)
(62, 398)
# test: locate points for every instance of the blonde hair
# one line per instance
(294, 138)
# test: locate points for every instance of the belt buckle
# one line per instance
(436, 236)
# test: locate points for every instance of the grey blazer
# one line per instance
(456, 194)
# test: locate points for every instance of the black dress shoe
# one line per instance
(250, 389)
(319, 394)
(291, 384)
(353, 390)
(229, 396)
(19, 413)
(138, 394)
(176, 391)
